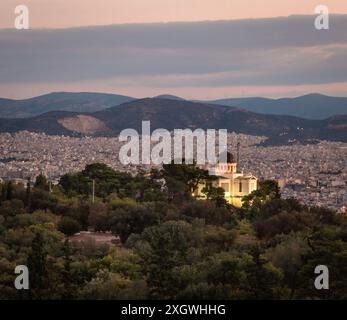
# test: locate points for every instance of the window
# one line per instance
(240, 186)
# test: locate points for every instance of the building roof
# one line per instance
(246, 177)
(230, 157)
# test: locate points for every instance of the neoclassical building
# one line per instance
(236, 184)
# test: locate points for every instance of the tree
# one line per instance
(107, 181)
(12, 208)
(215, 194)
(68, 280)
(28, 193)
(283, 223)
(128, 218)
(288, 255)
(163, 248)
(209, 211)
(112, 286)
(42, 200)
(267, 190)
(183, 179)
(69, 226)
(37, 265)
(264, 280)
(9, 191)
(328, 246)
(41, 182)
(98, 217)
(3, 192)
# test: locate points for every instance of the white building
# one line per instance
(236, 184)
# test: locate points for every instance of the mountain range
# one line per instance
(311, 106)
(59, 101)
(181, 114)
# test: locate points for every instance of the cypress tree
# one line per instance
(67, 277)
(9, 191)
(37, 265)
(28, 193)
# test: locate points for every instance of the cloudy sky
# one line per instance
(223, 49)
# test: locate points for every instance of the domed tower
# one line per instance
(228, 167)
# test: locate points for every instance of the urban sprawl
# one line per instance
(315, 174)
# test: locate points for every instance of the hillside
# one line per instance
(173, 114)
(168, 96)
(312, 106)
(59, 101)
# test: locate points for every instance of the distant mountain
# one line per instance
(59, 101)
(177, 114)
(169, 97)
(312, 106)
(3, 101)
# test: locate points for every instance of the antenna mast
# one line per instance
(93, 197)
(238, 153)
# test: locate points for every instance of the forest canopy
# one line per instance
(172, 246)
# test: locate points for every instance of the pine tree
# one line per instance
(37, 265)
(3, 192)
(41, 182)
(28, 193)
(67, 277)
(9, 191)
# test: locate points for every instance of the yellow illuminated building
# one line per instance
(236, 184)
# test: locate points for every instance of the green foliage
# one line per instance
(98, 217)
(9, 191)
(37, 264)
(108, 286)
(10, 208)
(108, 181)
(182, 180)
(129, 217)
(68, 226)
(267, 190)
(172, 245)
(41, 183)
(289, 255)
(216, 195)
(328, 246)
(163, 248)
(210, 212)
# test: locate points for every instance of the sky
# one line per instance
(74, 13)
(224, 48)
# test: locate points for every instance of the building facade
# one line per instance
(235, 183)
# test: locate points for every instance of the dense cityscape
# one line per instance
(315, 174)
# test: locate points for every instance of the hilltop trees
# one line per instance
(128, 217)
(164, 248)
(108, 181)
(215, 194)
(41, 182)
(182, 180)
(172, 245)
(267, 190)
(327, 246)
(68, 226)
